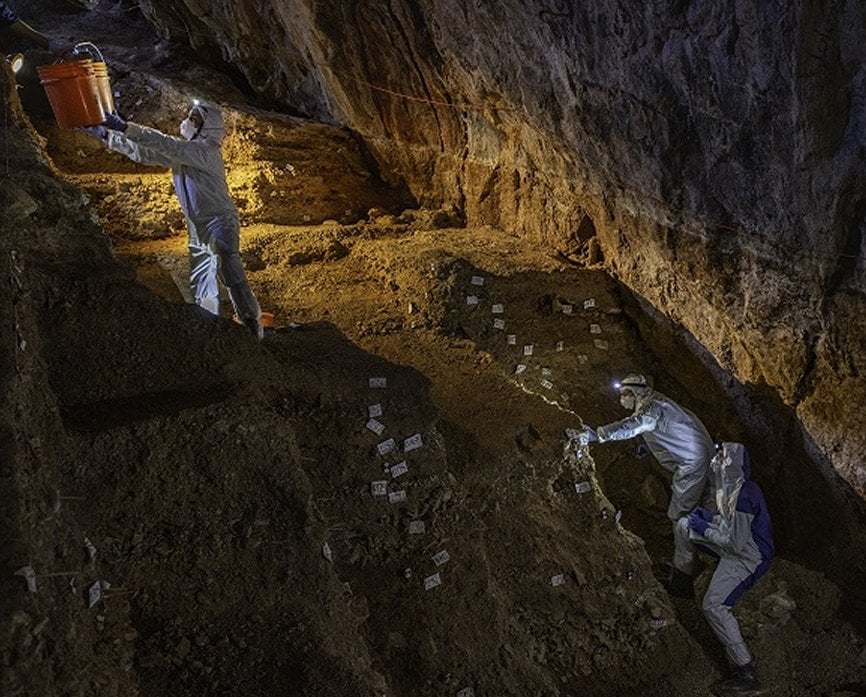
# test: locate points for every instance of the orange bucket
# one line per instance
(73, 92)
(106, 98)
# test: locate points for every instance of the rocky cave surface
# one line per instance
(695, 169)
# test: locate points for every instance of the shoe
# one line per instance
(742, 684)
(679, 585)
(255, 327)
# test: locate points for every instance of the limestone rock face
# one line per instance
(716, 150)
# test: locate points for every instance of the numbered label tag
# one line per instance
(520, 369)
(412, 443)
(374, 410)
(511, 339)
(326, 552)
(477, 281)
(417, 527)
(547, 372)
(499, 324)
(466, 692)
(375, 426)
(397, 496)
(617, 517)
(379, 383)
(601, 344)
(498, 308)
(567, 309)
(527, 350)
(587, 304)
(583, 487)
(399, 469)
(472, 300)
(594, 329)
(432, 581)
(386, 446)
(379, 488)
(560, 346)
(582, 358)
(547, 384)
(557, 580)
(441, 557)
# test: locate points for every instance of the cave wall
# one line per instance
(716, 150)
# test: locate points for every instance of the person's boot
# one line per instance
(680, 584)
(742, 683)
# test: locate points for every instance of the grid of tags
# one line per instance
(395, 463)
(528, 350)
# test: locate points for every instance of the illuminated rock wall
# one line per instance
(715, 149)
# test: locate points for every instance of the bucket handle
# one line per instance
(88, 47)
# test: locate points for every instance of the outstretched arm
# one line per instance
(135, 152)
(628, 428)
(194, 153)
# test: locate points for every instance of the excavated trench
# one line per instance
(227, 486)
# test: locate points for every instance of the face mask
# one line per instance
(627, 401)
(187, 129)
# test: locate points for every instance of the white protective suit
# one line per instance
(740, 535)
(680, 443)
(198, 172)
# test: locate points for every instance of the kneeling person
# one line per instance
(739, 533)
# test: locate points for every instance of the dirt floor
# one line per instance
(248, 509)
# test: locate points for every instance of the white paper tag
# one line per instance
(659, 623)
(386, 446)
(527, 350)
(441, 557)
(472, 300)
(326, 552)
(594, 329)
(374, 410)
(397, 496)
(375, 426)
(94, 594)
(567, 309)
(617, 517)
(379, 383)
(466, 692)
(412, 443)
(582, 358)
(547, 372)
(557, 580)
(379, 488)
(499, 324)
(432, 581)
(477, 281)
(547, 384)
(511, 339)
(91, 550)
(588, 303)
(398, 469)
(560, 346)
(519, 369)
(583, 487)
(601, 344)
(417, 527)
(498, 309)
